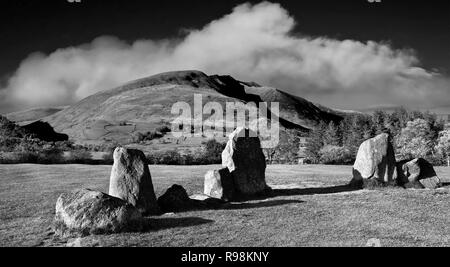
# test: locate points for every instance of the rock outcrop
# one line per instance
(418, 173)
(219, 184)
(175, 199)
(246, 163)
(131, 180)
(375, 162)
(87, 212)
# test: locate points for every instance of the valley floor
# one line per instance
(310, 209)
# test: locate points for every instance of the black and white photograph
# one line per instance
(236, 125)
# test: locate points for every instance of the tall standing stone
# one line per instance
(246, 162)
(375, 161)
(219, 184)
(131, 180)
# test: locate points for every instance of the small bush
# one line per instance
(436, 160)
(164, 129)
(149, 136)
(18, 157)
(79, 157)
(210, 154)
(52, 156)
(108, 158)
(213, 150)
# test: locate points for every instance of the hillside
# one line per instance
(31, 115)
(295, 109)
(144, 105)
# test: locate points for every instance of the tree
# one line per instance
(443, 146)
(315, 143)
(287, 149)
(397, 121)
(379, 119)
(213, 150)
(415, 140)
(332, 135)
(356, 129)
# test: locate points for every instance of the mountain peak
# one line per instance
(144, 105)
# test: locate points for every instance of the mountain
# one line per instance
(442, 112)
(295, 109)
(144, 105)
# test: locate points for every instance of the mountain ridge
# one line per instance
(145, 104)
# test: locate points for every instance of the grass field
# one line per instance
(310, 209)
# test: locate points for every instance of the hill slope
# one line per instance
(144, 105)
(30, 115)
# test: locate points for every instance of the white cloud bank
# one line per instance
(254, 43)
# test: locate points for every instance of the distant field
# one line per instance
(310, 210)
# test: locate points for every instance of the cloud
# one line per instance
(254, 43)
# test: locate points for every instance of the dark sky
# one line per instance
(45, 26)
(29, 26)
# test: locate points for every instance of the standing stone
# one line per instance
(131, 180)
(246, 162)
(375, 161)
(87, 212)
(175, 199)
(219, 184)
(419, 173)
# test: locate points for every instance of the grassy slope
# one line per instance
(301, 217)
(28, 116)
(140, 106)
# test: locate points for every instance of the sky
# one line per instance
(348, 54)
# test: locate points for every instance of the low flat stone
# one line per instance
(88, 212)
(418, 173)
(431, 183)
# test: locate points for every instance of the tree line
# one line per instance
(414, 134)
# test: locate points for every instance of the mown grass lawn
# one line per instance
(310, 209)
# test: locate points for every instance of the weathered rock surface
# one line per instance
(219, 184)
(375, 160)
(87, 212)
(246, 162)
(418, 173)
(431, 183)
(131, 180)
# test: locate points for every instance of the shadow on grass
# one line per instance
(196, 205)
(313, 191)
(265, 204)
(157, 224)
